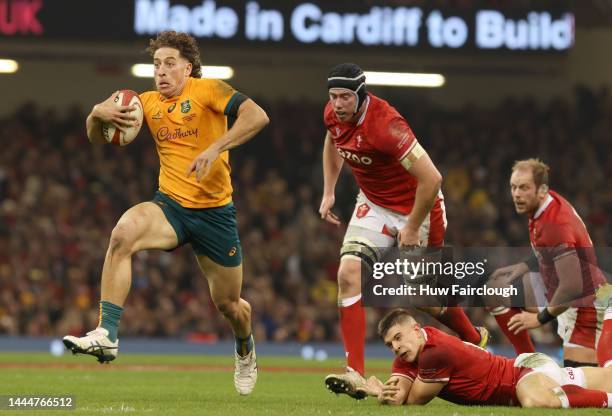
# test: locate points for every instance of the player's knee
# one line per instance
(349, 276)
(228, 308)
(246, 306)
(121, 241)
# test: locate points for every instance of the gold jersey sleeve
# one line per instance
(182, 128)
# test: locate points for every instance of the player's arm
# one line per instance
(429, 179)
(108, 112)
(332, 164)
(395, 391)
(569, 272)
(422, 392)
(250, 119)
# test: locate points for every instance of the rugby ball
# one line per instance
(114, 135)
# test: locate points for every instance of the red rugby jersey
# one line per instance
(373, 149)
(555, 230)
(473, 375)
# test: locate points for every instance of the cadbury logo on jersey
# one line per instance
(353, 157)
(165, 133)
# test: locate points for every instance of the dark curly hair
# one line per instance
(184, 43)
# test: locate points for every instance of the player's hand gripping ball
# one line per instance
(124, 136)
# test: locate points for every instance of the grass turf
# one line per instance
(187, 385)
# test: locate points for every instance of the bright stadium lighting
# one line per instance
(404, 79)
(142, 70)
(8, 66)
(217, 72)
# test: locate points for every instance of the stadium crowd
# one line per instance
(60, 198)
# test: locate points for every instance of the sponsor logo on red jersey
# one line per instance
(354, 157)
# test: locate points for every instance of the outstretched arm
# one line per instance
(423, 392)
(393, 392)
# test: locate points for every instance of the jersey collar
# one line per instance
(424, 333)
(545, 205)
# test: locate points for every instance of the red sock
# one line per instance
(455, 318)
(521, 341)
(579, 397)
(604, 346)
(352, 324)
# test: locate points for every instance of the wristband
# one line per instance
(544, 316)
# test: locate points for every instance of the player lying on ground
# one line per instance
(430, 363)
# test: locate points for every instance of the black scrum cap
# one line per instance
(351, 77)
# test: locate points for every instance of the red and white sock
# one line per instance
(574, 396)
(352, 325)
(521, 341)
(455, 318)
(604, 346)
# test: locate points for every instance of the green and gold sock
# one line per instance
(110, 314)
(244, 345)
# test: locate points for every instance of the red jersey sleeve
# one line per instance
(396, 139)
(557, 239)
(435, 363)
(404, 369)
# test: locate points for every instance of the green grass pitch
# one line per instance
(203, 385)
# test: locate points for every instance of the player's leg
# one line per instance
(361, 248)
(502, 314)
(540, 391)
(362, 244)
(604, 306)
(548, 385)
(351, 313)
(214, 239)
(454, 317)
(585, 387)
(225, 284)
(431, 234)
(597, 378)
(577, 327)
(142, 227)
(537, 390)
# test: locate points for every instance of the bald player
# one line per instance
(189, 119)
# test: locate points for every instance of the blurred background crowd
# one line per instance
(60, 198)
